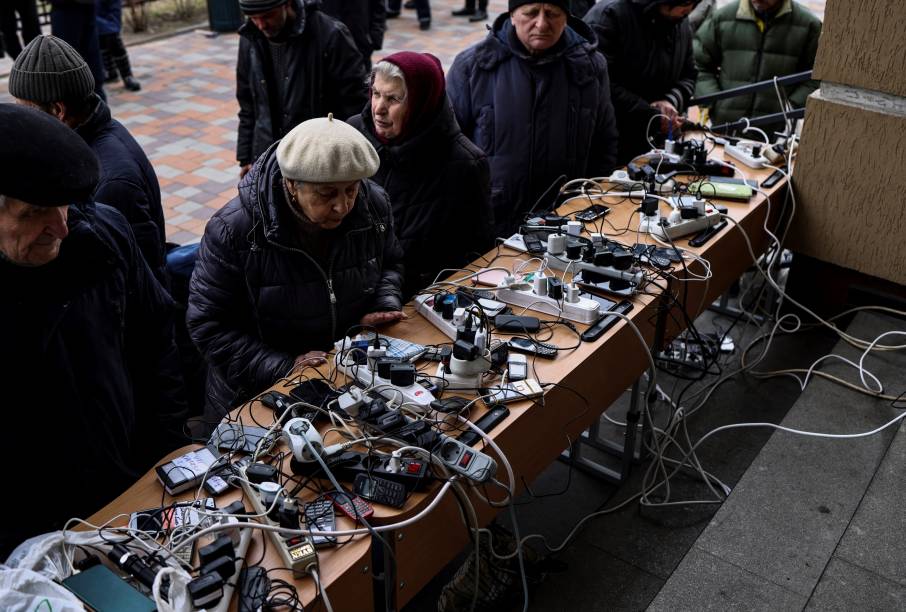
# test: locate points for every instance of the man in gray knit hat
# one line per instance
(51, 75)
(295, 63)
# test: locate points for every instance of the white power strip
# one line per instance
(633, 275)
(424, 307)
(414, 394)
(583, 311)
(556, 262)
(686, 226)
(744, 153)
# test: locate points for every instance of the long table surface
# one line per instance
(532, 436)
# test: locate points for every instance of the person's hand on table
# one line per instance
(667, 109)
(382, 318)
(310, 359)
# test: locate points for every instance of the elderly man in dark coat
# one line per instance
(648, 46)
(535, 96)
(89, 368)
(51, 75)
(306, 252)
(437, 180)
(295, 63)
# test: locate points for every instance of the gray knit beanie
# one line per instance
(49, 70)
(256, 7)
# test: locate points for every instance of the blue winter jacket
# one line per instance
(536, 117)
(128, 183)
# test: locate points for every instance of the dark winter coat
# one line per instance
(324, 75)
(366, 20)
(260, 296)
(128, 183)
(89, 372)
(438, 184)
(733, 47)
(580, 7)
(109, 16)
(648, 59)
(536, 117)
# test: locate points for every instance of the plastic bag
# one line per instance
(27, 591)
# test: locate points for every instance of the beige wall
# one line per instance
(851, 182)
(863, 43)
(850, 175)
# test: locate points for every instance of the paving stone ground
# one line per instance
(185, 115)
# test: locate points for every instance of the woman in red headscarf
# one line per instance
(437, 180)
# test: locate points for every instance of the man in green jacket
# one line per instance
(748, 41)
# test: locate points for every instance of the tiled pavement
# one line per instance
(185, 115)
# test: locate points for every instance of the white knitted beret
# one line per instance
(326, 150)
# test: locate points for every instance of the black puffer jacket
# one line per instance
(128, 183)
(536, 117)
(259, 296)
(325, 75)
(438, 183)
(89, 372)
(649, 59)
(366, 20)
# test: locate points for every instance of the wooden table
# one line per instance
(532, 436)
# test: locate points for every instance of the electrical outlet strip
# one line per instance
(621, 179)
(414, 394)
(463, 459)
(742, 151)
(458, 382)
(424, 307)
(297, 552)
(466, 461)
(633, 275)
(583, 311)
(687, 226)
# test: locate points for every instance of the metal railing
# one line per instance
(791, 79)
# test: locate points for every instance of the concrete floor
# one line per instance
(802, 528)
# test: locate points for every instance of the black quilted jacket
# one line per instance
(259, 296)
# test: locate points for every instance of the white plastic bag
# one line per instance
(22, 590)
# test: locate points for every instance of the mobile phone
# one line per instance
(351, 505)
(533, 244)
(313, 391)
(533, 347)
(319, 517)
(595, 211)
(514, 323)
(101, 589)
(606, 321)
(186, 471)
(773, 179)
(706, 234)
(517, 367)
(512, 392)
(380, 490)
(486, 423)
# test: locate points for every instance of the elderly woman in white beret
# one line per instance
(304, 253)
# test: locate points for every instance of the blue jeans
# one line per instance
(422, 8)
